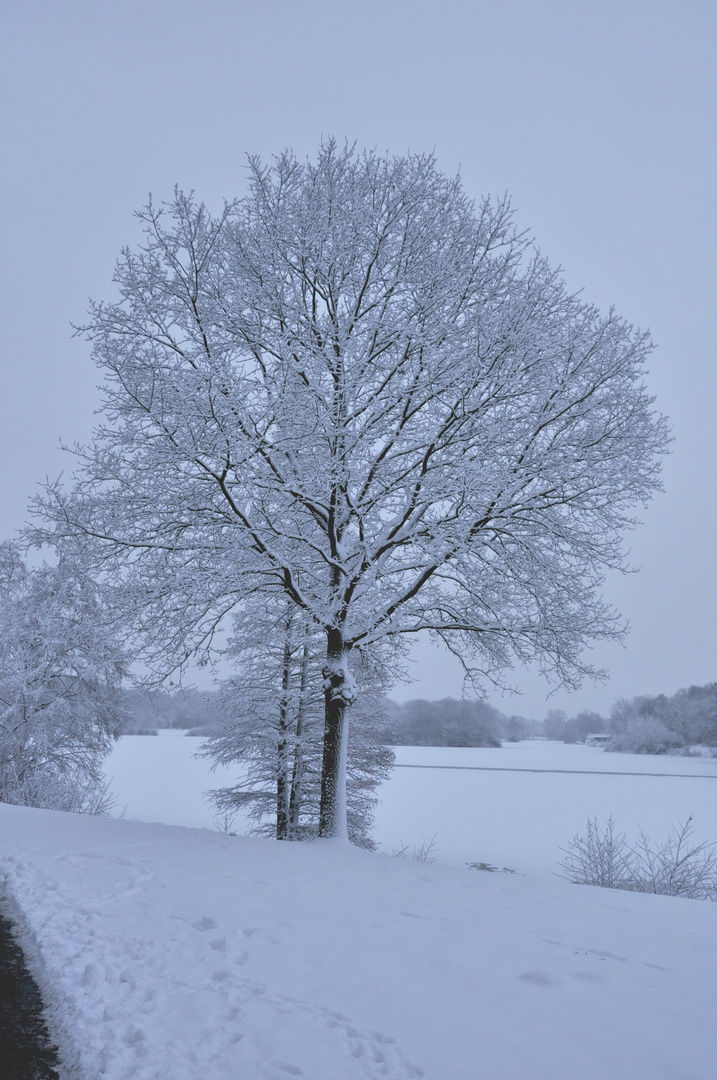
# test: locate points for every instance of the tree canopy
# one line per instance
(358, 389)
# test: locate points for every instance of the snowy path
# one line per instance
(153, 968)
(25, 1048)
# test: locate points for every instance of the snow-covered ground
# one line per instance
(171, 953)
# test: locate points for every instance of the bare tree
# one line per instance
(60, 674)
(359, 389)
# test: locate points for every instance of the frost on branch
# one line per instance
(360, 391)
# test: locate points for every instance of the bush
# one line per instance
(644, 735)
(674, 868)
(424, 853)
(601, 857)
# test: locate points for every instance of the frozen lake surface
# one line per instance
(514, 806)
(483, 811)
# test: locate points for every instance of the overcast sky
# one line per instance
(599, 119)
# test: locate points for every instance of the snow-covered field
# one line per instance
(171, 953)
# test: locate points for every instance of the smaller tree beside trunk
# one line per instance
(273, 729)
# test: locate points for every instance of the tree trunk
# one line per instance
(282, 765)
(339, 693)
(297, 794)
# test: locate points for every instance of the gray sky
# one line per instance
(599, 119)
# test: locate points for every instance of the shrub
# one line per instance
(424, 853)
(677, 867)
(602, 857)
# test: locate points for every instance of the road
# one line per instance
(25, 1049)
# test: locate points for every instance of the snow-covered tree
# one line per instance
(359, 389)
(657, 724)
(444, 723)
(695, 710)
(273, 725)
(572, 729)
(60, 674)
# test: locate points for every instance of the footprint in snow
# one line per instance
(376, 1053)
(268, 939)
(588, 976)
(205, 923)
(539, 978)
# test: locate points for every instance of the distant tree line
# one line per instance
(650, 725)
(448, 722)
(443, 723)
(645, 725)
(559, 726)
(655, 725)
(193, 710)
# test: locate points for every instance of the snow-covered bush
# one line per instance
(676, 867)
(60, 675)
(644, 735)
(699, 751)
